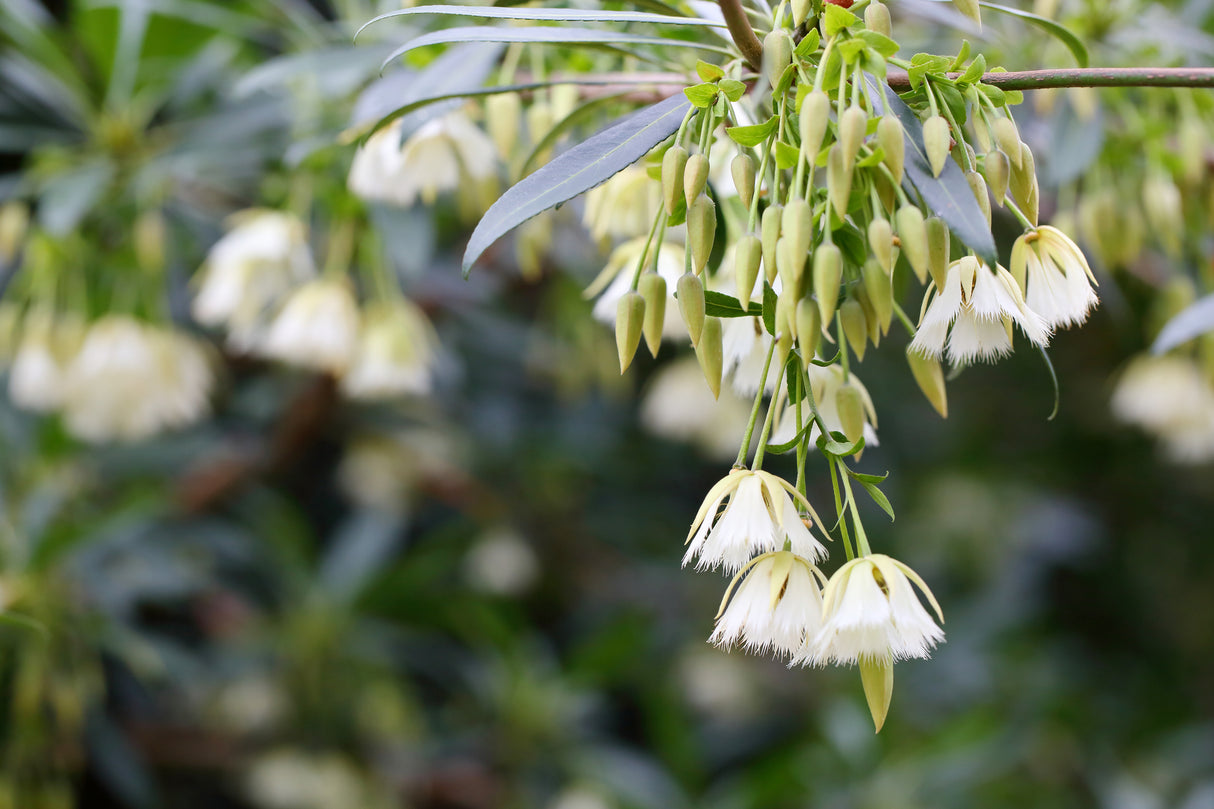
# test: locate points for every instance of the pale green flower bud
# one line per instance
(937, 140)
(855, 326)
(149, 240)
(653, 290)
(828, 271)
(978, 186)
(879, 292)
(876, 18)
(1023, 184)
(913, 235)
(800, 11)
(937, 249)
(690, 291)
(701, 230)
(629, 321)
(710, 354)
(777, 54)
(881, 241)
(893, 142)
(813, 122)
(695, 177)
(743, 170)
(850, 404)
(851, 133)
(673, 164)
(797, 227)
(769, 235)
(871, 319)
(790, 265)
(809, 328)
(1008, 138)
(786, 316)
(930, 378)
(970, 8)
(503, 116)
(998, 171)
(14, 223)
(747, 255)
(838, 180)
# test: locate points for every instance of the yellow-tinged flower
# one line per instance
(776, 605)
(1054, 277)
(317, 327)
(870, 613)
(396, 351)
(760, 514)
(1171, 398)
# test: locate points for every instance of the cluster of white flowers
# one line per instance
(1171, 397)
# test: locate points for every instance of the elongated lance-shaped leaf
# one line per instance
(949, 195)
(586, 165)
(548, 14)
(1194, 321)
(548, 34)
(1064, 34)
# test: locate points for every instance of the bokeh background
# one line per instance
(473, 599)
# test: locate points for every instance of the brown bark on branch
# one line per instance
(743, 35)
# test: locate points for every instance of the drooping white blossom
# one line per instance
(623, 207)
(679, 406)
(761, 513)
(317, 327)
(37, 380)
(1055, 277)
(395, 355)
(1172, 398)
(971, 318)
(774, 603)
(825, 384)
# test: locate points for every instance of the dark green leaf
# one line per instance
(839, 447)
(769, 308)
(579, 169)
(718, 304)
(876, 494)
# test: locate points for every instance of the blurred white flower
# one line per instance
(776, 606)
(317, 327)
(1172, 398)
(396, 351)
(624, 206)
(761, 513)
(261, 258)
(287, 779)
(131, 380)
(979, 306)
(827, 385)
(615, 281)
(37, 379)
(1054, 276)
(871, 613)
(744, 346)
(678, 405)
(440, 156)
(502, 563)
(381, 471)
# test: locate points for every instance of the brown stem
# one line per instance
(1084, 77)
(743, 35)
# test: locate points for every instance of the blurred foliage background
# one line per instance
(472, 598)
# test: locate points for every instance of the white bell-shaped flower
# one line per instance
(395, 355)
(317, 327)
(37, 380)
(776, 605)
(1054, 276)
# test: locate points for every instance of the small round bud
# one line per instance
(937, 249)
(653, 290)
(809, 328)
(997, 170)
(852, 124)
(892, 141)
(855, 326)
(503, 118)
(747, 256)
(743, 170)
(769, 235)
(701, 230)
(813, 122)
(978, 186)
(879, 292)
(695, 177)
(881, 242)
(673, 164)
(1008, 138)
(930, 378)
(777, 54)
(710, 353)
(876, 18)
(913, 235)
(937, 140)
(629, 320)
(838, 180)
(690, 291)
(828, 271)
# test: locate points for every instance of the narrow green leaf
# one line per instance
(1193, 321)
(580, 113)
(581, 168)
(1073, 43)
(718, 304)
(547, 14)
(877, 495)
(769, 308)
(863, 477)
(839, 447)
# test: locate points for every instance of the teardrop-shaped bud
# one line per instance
(937, 141)
(880, 293)
(912, 233)
(930, 378)
(710, 354)
(877, 678)
(786, 316)
(855, 326)
(674, 162)
(747, 256)
(701, 230)
(695, 177)
(809, 328)
(1023, 182)
(838, 180)
(852, 124)
(892, 141)
(971, 9)
(503, 119)
(828, 271)
(770, 235)
(870, 314)
(1008, 138)
(629, 322)
(937, 249)
(653, 290)
(777, 54)
(790, 265)
(800, 11)
(876, 18)
(850, 404)
(978, 186)
(797, 226)
(881, 242)
(813, 122)
(997, 171)
(690, 291)
(743, 170)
